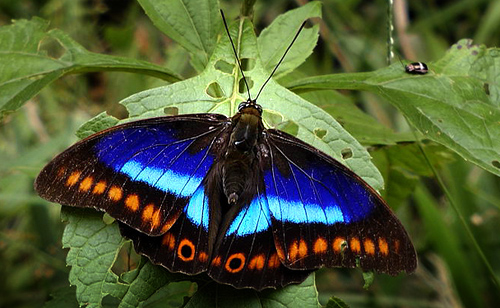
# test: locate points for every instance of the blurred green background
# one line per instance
(353, 38)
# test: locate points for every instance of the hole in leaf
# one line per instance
(320, 133)
(486, 87)
(440, 120)
(288, 127)
(214, 90)
(171, 111)
(496, 164)
(346, 153)
(247, 64)
(272, 118)
(110, 301)
(126, 260)
(224, 67)
(242, 88)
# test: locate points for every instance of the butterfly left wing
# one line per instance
(149, 175)
(323, 214)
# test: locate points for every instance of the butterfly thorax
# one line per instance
(240, 157)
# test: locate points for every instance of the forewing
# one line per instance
(323, 214)
(142, 173)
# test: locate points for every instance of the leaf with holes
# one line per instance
(455, 104)
(218, 89)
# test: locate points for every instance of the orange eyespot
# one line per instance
(186, 250)
(235, 263)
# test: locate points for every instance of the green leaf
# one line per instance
(26, 68)
(94, 247)
(96, 124)
(362, 126)
(449, 105)
(193, 24)
(336, 302)
(275, 39)
(192, 96)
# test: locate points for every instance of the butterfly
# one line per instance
(252, 207)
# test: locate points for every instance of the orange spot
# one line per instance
(281, 253)
(151, 215)
(168, 240)
(302, 248)
(99, 188)
(257, 262)
(61, 172)
(115, 193)
(274, 261)
(355, 245)
(396, 246)
(203, 257)
(132, 202)
(293, 251)
(86, 184)
(383, 246)
(369, 246)
(339, 244)
(320, 246)
(186, 250)
(216, 261)
(73, 178)
(168, 225)
(235, 263)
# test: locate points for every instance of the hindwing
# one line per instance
(245, 255)
(323, 214)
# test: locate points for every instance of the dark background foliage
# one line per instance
(353, 38)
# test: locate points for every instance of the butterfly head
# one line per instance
(250, 106)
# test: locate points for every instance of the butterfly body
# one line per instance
(252, 207)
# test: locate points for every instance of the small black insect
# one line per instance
(417, 68)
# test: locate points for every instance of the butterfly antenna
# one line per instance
(236, 55)
(281, 60)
